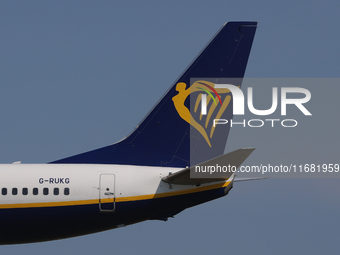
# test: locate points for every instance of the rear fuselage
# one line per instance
(40, 202)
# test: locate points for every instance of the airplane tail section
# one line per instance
(175, 128)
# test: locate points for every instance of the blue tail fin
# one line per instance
(163, 137)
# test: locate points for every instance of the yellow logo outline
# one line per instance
(185, 114)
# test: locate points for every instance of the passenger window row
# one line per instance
(35, 191)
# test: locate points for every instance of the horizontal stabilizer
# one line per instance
(235, 158)
(249, 179)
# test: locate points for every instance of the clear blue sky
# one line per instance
(75, 76)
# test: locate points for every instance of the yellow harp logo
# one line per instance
(216, 103)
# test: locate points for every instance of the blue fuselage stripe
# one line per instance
(50, 223)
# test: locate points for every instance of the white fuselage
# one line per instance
(73, 196)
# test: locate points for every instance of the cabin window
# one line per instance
(24, 191)
(56, 191)
(45, 191)
(14, 191)
(35, 191)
